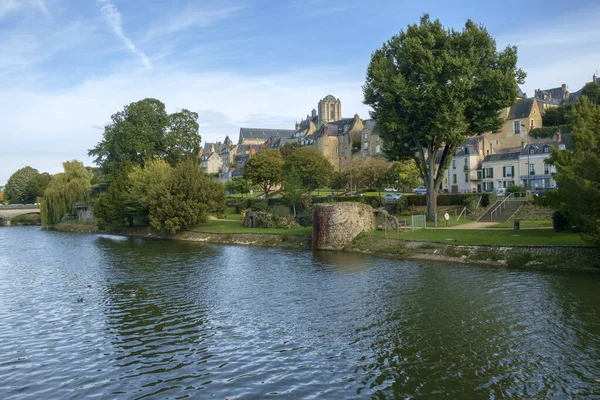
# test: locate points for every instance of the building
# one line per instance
(464, 171)
(500, 170)
(330, 110)
(534, 171)
(259, 136)
(212, 163)
(519, 119)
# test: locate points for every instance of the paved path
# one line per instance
(484, 226)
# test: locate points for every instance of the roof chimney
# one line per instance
(297, 125)
(595, 79)
(314, 113)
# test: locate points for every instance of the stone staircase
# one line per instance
(501, 214)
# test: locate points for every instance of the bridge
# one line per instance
(9, 212)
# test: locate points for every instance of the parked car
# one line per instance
(390, 190)
(500, 192)
(391, 197)
(420, 190)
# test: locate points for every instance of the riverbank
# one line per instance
(539, 257)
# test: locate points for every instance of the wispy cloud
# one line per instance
(191, 17)
(12, 6)
(113, 18)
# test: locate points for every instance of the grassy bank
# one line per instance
(529, 237)
(236, 227)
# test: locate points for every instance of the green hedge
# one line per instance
(453, 199)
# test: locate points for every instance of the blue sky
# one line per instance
(67, 65)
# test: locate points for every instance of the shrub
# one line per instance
(518, 191)
(400, 205)
(259, 205)
(281, 211)
(519, 259)
(560, 221)
(305, 218)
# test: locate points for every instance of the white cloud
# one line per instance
(63, 125)
(11, 6)
(565, 51)
(113, 18)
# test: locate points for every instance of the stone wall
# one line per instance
(337, 224)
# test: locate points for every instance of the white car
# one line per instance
(390, 198)
(420, 190)
(390, 190)
(500, 192)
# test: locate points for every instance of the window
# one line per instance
(377, 138)
(531, 124)
(532, 150)
(466, 177)
(546, 169)
(508, 171)
(488, 173)
(366, 136)
(517, 127)
(377, 149)
(546, 148)
(488, 186)
(454, 178)
(453, 164)
(466, 163)
(508, 184)
(531, 169)
(365, 145)
(479, 175)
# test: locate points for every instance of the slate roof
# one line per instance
(262, 133)
(521, 109)
(469, 147)
(336, 128)
(279, 141)
(520, 93)
(514, 155)
(370, 124)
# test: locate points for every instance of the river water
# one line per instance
(166, 319)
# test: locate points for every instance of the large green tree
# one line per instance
(238, 185)
(431, 87)
(117, 205)
(313, 169)
(21, 186)
(376, 174)
(265, 168)
(578, 170)
(405, 174)
(144, 131)
(71, 186)
(288, 148)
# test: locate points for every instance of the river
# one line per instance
(166, 319)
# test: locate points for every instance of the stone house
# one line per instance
(259, 136)
(464, 171)
(500, 170)
(211, 162)
(519, 119)
(534, 171)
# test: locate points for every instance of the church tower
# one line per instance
(330, 109)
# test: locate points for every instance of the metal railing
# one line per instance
(500, 207)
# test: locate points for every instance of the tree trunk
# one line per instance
(294, 207)
(130, 220)
(432, 191)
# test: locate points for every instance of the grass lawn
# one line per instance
(327, 192)
(235, 227)
(524, 224)
(535, 237)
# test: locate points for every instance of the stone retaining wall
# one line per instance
(337, 224)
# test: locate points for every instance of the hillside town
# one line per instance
(508, 157)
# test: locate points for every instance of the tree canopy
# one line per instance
(71, 186)
(578, 170)
(24, 186)
(431, 87)
(405, 174)
(144, 131)
(313, 169)
(265, 168)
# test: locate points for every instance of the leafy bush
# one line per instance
(259, 205)
(560, 221)
(518, 191)
(281, 211)
(400, 205)
(519, 259)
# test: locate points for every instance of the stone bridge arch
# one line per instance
(7, 213)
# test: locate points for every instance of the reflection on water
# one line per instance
(164, 319)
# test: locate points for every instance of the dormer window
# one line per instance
(532, 150)
(546, 149)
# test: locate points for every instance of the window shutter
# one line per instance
(504, 172)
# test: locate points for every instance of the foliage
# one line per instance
(339, 180)
(518, 191)
(185, 197)
(430, 88)
(592, 91)
(1, 197)
(304, 218)
(265, 168)
(556, 116)
(353, 174)
(560, 221)
(238, 185)
(117, 205)
(313, 169)
(64, 190)
(376, 173)
(405, 174)
(20, 184)
(578, 171)
(293, 190)
(144, 131)
(548, 132)
(288, 148)
(37, 186)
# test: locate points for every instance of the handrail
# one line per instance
(502, 205)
